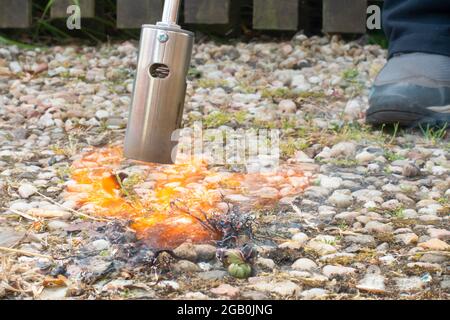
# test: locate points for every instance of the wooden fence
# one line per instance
(338, 16)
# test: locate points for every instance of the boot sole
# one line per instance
(406, 118)
(397, 104)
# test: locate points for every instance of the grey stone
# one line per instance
(212, 275)
(314, 293)
(341, 198)
(26, 190)
(331, 271)
(409, 284)
(185, 266)
(372, 283)
(10, 236)
(55, 225)
(100, 244)
(377, 227)
(304, 264)
(205, 252)
(186, 251)
(362, 239)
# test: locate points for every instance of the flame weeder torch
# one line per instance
(159, 89)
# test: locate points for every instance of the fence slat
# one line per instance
(344, 16)
(207, 11)
(135, 13)
(59, 8)
(275, 14)
(15, 13)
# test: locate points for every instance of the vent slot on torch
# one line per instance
(159, 70)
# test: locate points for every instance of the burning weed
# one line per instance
(171, 204)
(236, 252)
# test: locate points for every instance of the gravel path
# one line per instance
(372, 224)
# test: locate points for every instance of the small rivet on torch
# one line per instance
(163, 37)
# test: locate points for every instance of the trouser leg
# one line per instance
(417, 26)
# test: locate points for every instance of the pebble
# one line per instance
(378, 227)
(320, 247)
(300, 84)
(432, 267)
(354, 109)
(282, 288)
(205, 266)
(362, 239)
(212, 275)
(410, 213)
(409, 284)
(205, 252)
(100, 244)
(314, 293)
(195, 296)
(410, 170)
(445, 284)
(330, 182)
(53, 293)
(341, 198)
(373, 167)
(15, 67)
(336, 257)
(433, 258)
(347, 216)
(294, 245)
(169, 284)
(185, 266)
(365, 157)
(55, 225)
(330, 271)
(373, 283)
(102, 114)
(391, 205)
(434, 244)
(225, 290)
(10, 237)
(441, 234)
(343, 149)
(387, 260)
(26, 190)
(304, 264)
(324, 154)
(365, 195)
(186, 251)
(265, 263)
(300, 238)
(266, 193)
(315, 192)
(21, 206)
(406, 238)
(302, 157)
(287, 106)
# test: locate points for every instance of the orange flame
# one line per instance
(164, 205)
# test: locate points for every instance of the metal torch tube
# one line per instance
(170, 13)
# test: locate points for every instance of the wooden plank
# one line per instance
(344, 16)
(275, 14)
(59, 8)
(207, 11)
(15, 13)
(135, 13)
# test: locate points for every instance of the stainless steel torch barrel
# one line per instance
(159, 89)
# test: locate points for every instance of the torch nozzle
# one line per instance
(170, 13)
